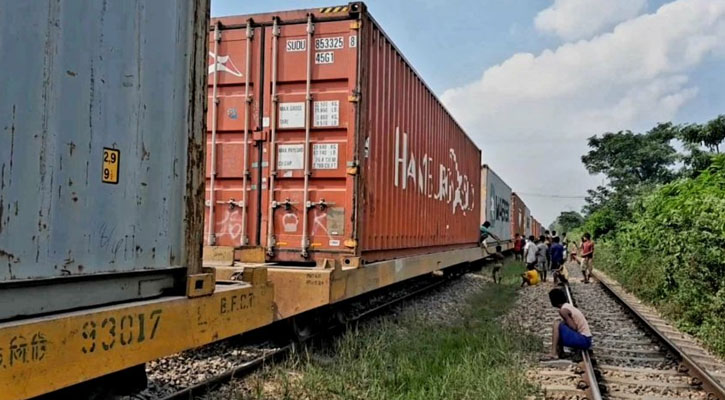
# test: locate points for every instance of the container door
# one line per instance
(233, 123)
(311, 140)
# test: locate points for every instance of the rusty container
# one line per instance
(518, 215)
(324, 142)
(101, 151)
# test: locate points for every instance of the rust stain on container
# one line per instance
(362, 158)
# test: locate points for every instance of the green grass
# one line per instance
(473, 357)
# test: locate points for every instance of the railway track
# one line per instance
(636, 354)
(356, 311)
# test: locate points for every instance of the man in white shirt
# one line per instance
(530, 250)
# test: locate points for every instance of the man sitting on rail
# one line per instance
(572, 332)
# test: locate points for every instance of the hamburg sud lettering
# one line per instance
(417, 172)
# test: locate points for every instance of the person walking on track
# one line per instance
(587, 255)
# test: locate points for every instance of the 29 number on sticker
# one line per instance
(111, 160)
(324, 57)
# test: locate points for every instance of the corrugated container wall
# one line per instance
(518, 209)
(496, 204)
(325, 143)
(101, 150)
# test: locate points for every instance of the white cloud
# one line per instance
(532, 113)
(581, 19)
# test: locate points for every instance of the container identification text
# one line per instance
(296, 45)
(330, 43)
(324, 57)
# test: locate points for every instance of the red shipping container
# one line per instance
(518, 215)
(325, 143)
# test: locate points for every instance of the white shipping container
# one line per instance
(496, 207)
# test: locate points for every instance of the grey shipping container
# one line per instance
(101, 150)
(496, 196)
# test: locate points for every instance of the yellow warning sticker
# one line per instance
(111, 160)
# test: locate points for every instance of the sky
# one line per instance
(531, 80)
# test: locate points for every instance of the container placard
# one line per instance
(290, 156)
(336, 221)
(292, 115)
(324, 155)
(327, 113)
(111, 160)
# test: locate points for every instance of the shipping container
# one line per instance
(496, 205)
(324, 142)
(518, 216)
(101, 151)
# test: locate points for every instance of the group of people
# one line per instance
(548, 253)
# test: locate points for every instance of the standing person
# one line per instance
(587, 255)
(542, 255)
(565, 243)
(547, 240)
(558, 269)
(572, 331)
(530, 250)
(497, 265)
(518, 247)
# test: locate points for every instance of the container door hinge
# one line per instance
(353, 98)
(357, 24)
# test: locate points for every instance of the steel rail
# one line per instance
(209, 384)
(711, 385)
(590, 376)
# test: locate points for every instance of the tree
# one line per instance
(710, 135)
(701, 141)
(628, 159)
(567, 221)
(632, 163)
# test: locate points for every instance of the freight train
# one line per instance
(169, 181)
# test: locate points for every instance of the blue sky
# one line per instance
(518, 74)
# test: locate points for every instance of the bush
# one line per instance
(672, 252)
